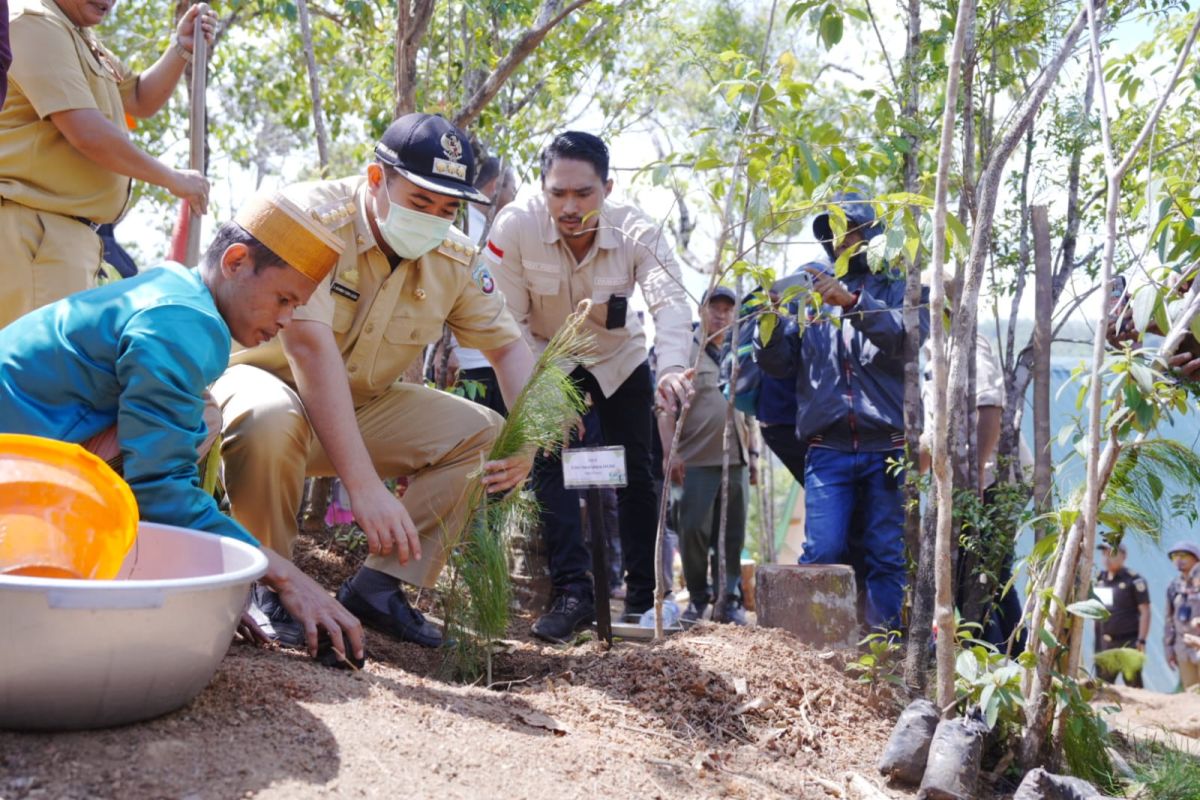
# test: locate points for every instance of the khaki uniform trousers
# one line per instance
(269, 447)
(1189, 671)
(46, 258)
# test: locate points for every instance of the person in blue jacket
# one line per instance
(848, 366)
(139, 354)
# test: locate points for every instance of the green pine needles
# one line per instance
(477, 602)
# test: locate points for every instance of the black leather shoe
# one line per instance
(633, 611)
(274, 619)
(401, 620)
(569, 612)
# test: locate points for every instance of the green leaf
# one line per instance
(766, 327)
(1088, 609)
(1047, 638)
(830, 28)
(1156, 485)
(1145, 298)
(967, 665)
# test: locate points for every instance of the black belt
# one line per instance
(95, 226)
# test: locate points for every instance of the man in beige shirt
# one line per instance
(324, 399)
(66, 159)
(562, 246)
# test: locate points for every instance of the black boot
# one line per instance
(569, 612)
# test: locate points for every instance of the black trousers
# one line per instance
(790, 450)
(491, 396)
(625, 419)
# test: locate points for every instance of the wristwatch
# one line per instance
(179, 49)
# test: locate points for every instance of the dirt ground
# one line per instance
(1173, 719)
(715, 712)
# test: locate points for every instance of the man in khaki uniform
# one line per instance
(558, 248)
(325, 399)
(1181, 617)
(66, 159)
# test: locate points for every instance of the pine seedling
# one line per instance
(477, 603)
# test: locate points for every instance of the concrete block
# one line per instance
(816, 602)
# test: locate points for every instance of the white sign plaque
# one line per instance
(593, 467)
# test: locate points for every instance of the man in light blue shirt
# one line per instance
(140, 353)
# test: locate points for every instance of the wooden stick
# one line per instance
(199, 126)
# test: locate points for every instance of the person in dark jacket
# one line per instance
(848, 366)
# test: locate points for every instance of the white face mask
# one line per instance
(412, 234)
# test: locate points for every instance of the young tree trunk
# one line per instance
(314, 85)
(1077, 550)
(940, 454)
(916, 661)
(1043, 309)
(964, 326)
(766, 493)
(1019, 368)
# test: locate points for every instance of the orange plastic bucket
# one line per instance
(63, 512)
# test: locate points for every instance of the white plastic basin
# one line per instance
(90, 654)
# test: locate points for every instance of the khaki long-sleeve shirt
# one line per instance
(382, 318)
(58, 66)
(542, 283)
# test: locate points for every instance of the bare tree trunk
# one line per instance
(916, 662)
(943, 485)
(766, 487)
(1081, 540)
(1043, 309)
(314, 85)
(412, 22)
(1018, 374)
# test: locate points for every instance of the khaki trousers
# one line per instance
(1189, 672)
(46, 258)
(269, 447)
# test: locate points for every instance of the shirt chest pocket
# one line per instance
(404, 331)
(403, 339)
(543, 279)
(344, 310)
(103, 81)
(604, 287)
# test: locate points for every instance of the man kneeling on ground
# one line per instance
(138, 355)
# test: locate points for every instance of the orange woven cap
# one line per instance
(304, 242)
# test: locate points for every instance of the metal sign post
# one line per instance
(593, 469)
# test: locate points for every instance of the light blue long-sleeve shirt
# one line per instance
(137, 353)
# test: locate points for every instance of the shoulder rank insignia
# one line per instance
(457, 251)
(334, 214)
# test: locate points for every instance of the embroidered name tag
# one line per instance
(344, 291)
